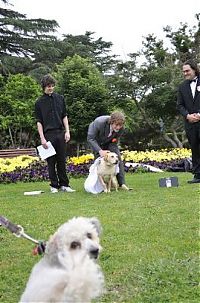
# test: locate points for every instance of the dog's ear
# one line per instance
(96, 224)
(52, 246)
(106, 156)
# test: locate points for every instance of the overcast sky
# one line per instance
(122, 22)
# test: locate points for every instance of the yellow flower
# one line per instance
(10, 164)
(81, 160)
(159, 156)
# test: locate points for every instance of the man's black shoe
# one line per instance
(195, 180)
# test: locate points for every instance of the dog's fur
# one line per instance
(68, 271)
(107, 169)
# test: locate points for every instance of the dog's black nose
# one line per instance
(94, 253)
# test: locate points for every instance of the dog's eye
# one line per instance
(75, 245)
(89, 235)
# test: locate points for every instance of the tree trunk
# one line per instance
(176, 139)
(78, 149)
(169, 140)
(20, 137)
(11, 137)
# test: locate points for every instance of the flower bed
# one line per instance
(30, 169)
(177, 159)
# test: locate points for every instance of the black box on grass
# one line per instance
(168, 182)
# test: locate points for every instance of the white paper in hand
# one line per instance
(45, 153)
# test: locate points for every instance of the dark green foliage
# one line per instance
(20, 35)
(98, 51)
(85, 92)
(17, 101)
(23, 37)
(143, 87)
(151, 86)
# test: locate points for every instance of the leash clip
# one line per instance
(22, 234)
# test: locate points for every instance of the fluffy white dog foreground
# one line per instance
(68, 271)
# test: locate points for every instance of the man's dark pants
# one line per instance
(57, 163)
(193, 135)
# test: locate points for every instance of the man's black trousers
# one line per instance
(57, 163)
(193, 134)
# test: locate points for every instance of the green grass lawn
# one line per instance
(150, 236)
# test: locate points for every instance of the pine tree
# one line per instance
(23, 37)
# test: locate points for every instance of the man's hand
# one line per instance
(102, 152)
(67, 136)
(44, 143)
(198, 116)
(192, 118)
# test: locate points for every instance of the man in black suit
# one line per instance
(103, 135)
(188, 104)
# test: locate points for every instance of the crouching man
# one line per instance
(103, 135)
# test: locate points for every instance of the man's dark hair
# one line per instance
(47, 80)
(193, 65)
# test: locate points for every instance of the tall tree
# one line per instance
(17, 99)
(22, 37)
(86, 46)
(152, 84)
(85, 91)
(185, 40)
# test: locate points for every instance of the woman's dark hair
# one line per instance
(47, 80)
(193, 65)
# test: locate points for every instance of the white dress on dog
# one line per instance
(92, 183)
